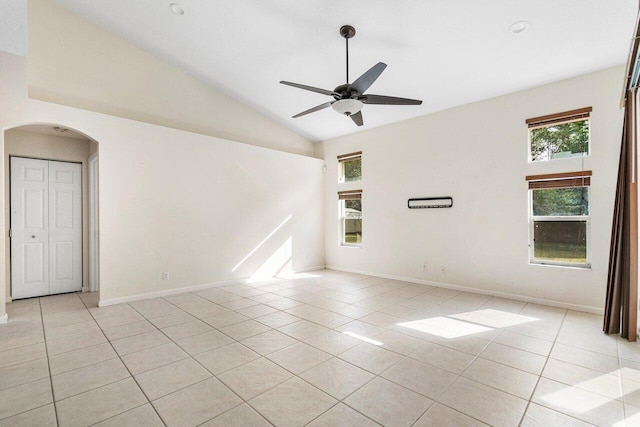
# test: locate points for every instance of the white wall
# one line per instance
(477, 153)
(184, 203)
(77, 63)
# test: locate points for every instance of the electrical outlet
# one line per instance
(424, 266)
(165, 276)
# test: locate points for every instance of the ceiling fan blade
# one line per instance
(388, 100)
(314, 109)
(363, 82)
(311, 88)
(357, 118)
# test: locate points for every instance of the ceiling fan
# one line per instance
(350, 98)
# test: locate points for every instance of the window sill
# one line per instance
(349, 245)
(561, 265)
(531, 161)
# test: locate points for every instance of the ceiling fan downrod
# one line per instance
(348, 32)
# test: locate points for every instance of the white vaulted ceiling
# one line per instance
(445, 52)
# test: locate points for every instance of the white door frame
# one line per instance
(94, 267)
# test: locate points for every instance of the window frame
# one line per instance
(580, 114)
(344, 158)
(343, 196)
(585, 177)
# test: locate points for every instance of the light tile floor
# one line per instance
(322, 349)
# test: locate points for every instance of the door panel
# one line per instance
(34, 209)
(34, 263)
(65, 226)
(29, 228)
(63, 252)
(63, 209)
(34, 174)
(46, 225)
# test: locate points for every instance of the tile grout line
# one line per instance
(243, 364)
(231, 409)
(375, 375)
(127, 368)
(117, 415)
(460, 375)
(621, 383)
(190, 357)
(46, 349)
(29, 361)
(216, 376)
(338, 401)
(542, 370)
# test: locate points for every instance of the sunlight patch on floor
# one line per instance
(363, 338)
(584, 397)
(494, 318)
(468, 323)
(575, 400)
(445, 327)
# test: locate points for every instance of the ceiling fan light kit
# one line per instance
(347, 106)
(349, 98)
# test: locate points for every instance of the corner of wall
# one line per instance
(318, 150)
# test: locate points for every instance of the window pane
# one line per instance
(561, 201)
(560, 141)
(560, 241)
(353, 222)
(352, 170)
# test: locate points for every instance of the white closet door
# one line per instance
(65, 227)
(29, 227)
(46, 227)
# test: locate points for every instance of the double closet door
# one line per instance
(46, 227)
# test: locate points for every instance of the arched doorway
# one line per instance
(57, 147)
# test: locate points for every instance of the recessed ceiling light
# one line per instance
(519, 27)
(177, 9)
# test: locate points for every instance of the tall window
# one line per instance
(350, 167)
(558, 136)
(350, 217)
(559, 219)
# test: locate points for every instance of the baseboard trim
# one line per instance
(4, 319)
(165, 293)
(516, 297)
(195, 288)
(307, 269)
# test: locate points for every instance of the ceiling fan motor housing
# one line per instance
(345, 92)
